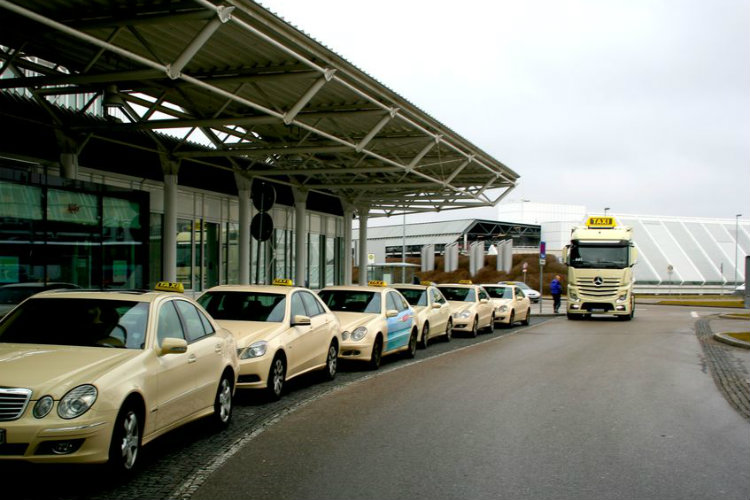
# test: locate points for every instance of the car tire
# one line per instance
(511, 319)
(377, 354)
(223, 403)
(411, 350)
(491, 326)
(332, 359)
(448, 330)
(125, 445)
(475, 327)
(526, 320)
(276, 378)
(425, 336)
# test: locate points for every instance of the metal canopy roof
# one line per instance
(269, 101)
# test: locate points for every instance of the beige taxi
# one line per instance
(282, 332)
(431, 309)
(376, 321)
(511, 304)
(471, 307)
(91, 376)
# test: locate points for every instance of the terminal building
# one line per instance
(204, 143)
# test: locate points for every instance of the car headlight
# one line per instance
(359, 333)
(462, 314)
(77, 401)
(254, 350)
(43, 407)
(502, 309)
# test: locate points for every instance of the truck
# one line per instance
(600, 260)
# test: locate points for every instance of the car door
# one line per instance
(484, 308)
(438, 316)
(523, 304)
(318, 334)
(399, 327)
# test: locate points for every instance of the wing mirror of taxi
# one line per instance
(483, 301)
(173, 346)
(391, 313)
(437, 305)
(300, 320)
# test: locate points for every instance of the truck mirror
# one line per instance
(564, 255)
(633, 256)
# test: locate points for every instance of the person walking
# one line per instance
(555, 288)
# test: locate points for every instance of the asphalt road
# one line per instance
(565, 409)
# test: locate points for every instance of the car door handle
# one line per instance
(192, 358)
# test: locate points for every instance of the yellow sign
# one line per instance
(426, 283)
(464, 282)
(376, 283)
(169, 286)
(601, 222)
(282, 282)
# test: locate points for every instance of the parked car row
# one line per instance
(91, 376)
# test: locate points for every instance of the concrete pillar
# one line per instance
(243, 199)
(348, 260)
(300, 237)
(169, 226)
(363, 212)
(69, 165)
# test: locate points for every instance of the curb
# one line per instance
(727, 339)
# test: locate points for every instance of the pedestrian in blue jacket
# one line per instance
(555, 288)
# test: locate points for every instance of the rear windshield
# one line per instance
(77, 322)
(245, 306)
(458, 294)
(351, 301)
(413, 296)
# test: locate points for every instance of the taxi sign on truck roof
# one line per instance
(601, 222)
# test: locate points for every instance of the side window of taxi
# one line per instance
(298, 308)
(483, 294)
(169, 325)
(195, 325)
(519, 293)
(396, 302)
(312, 305)
(437, 297)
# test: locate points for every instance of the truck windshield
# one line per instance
(599, 256)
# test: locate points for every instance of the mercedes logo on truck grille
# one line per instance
(598, 281)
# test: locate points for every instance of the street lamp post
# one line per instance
(606, 209)
(736, 245)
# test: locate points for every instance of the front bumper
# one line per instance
(254, 372)
(356, 350)
(54, 440)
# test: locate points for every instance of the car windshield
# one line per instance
(77, 322)
(499, 292)
(459, 294)
(414, 296)
(14, 295)
(351, 301)
(244, 306)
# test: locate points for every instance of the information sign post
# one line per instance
(542, 261)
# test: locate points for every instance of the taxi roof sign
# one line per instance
(169, 286)
(465, 282)
(282, 282)
(601, 222)
(426, 283)
(376, 283)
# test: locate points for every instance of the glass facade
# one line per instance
(54, 229)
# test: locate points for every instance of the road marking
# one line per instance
(695, 314)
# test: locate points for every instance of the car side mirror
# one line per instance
(172, 345)
(437, 305)
(483, 301)
(300, 320)
(391, 313)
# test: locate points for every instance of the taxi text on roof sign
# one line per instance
(169, 286)
(464, 282)
(376, 283)
(282, 282)
(601, 222)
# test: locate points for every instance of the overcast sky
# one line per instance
(642, 106)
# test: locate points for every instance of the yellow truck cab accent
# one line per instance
(376, 283)
(169, 286)
(282, 282)
(600, 260)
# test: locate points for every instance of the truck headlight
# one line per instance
(254, 350)
(572, 295)
(623, 297)
(359, 333)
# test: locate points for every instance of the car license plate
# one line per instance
(2, 436)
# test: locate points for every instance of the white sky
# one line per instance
(642, 106)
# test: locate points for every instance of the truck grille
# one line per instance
(13, 402)
(598, 288)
